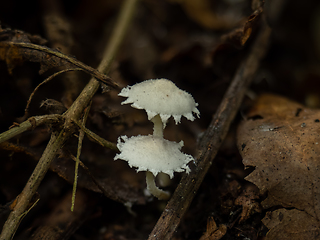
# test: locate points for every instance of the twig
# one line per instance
(101, 188)
(28, 210)
(110, 52)
(212, 140)
(29, 124)
(80, 139)
(22, 201)
(95, 73)
(45, 81)
(58, 30)
(74, 112)
(97, 138)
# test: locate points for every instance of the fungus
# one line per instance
(161, 99)
(153, 154)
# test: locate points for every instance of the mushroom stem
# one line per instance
(157, 126)
(153, 189)
(164, 179)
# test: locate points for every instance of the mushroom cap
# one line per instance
(163, 97)
(154, 154)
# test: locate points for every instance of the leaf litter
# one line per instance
(173, 42)
(280, 139)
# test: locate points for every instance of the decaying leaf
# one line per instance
(247, 200)
(112, 184)
(281, 140)
(17, 47)
(61, 222)
(213, 231)
(53, 106)
(291, 225)
(239, 36)
(15, 55)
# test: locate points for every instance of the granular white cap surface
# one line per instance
(163, 97)
(154, 154)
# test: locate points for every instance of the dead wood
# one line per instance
(212, 140)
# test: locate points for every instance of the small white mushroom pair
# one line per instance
(161, 99)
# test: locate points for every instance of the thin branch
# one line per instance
(58, 30)
(80, 139)
(94, 180)
(97, 138)
(45, 81)
(22, 201)
(95, 73)
(29, 124)
(212, 140)
(57, 140)
(110, 52)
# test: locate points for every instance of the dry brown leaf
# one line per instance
(213, 231)
(15, 55)
(239, 36)
(247, 200)
(17, 47)
(291, 225)
(281, 140)
(106, 179)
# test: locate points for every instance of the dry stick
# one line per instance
(80, 139)
(211, 141)
(22, 201)
(97, 138)
(93, 72)
(110, 52)
(57, 140)
(93, 178)
(45, 81)
(29, 124)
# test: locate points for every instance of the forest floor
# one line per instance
(253, 69)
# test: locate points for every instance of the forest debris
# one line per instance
(29, 124)
(53, 106)
(203, 13)
(96, 138)
(16, 48)
(121, 232)
(112, 184)
(14, 55)
(281, 140)
(58, 30)
(13, 148)
(239, 36)
(227, 55)
(291, 225)
(58, 139)
(212, 139)
(61, 222)
(248, 202)
(213, 231)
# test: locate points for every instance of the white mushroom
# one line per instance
(154, 155)
(161, 99)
